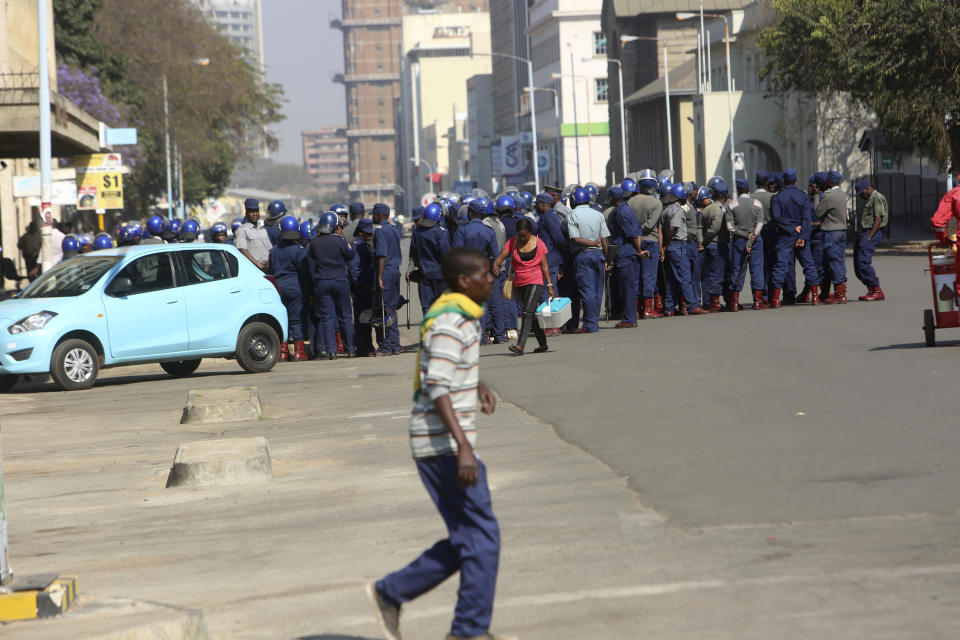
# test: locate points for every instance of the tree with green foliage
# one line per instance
(896, 58)
(219, 104)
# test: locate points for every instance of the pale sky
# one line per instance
(301, 52)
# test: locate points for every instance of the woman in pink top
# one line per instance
(528, 255)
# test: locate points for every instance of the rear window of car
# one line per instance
(208, 265)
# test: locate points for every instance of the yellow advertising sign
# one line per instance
(99, 181)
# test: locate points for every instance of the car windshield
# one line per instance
(70, 278)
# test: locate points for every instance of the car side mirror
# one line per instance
(121, 286)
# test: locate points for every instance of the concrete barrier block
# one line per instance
(221, 462)
(231, 404)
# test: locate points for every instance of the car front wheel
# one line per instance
(258, 347)
(74, 365)
(180, 368)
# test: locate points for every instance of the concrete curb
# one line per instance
(232, 404)
(109, 618)
(221, 462)
(42, 596)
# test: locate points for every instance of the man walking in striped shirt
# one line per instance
(442, 436)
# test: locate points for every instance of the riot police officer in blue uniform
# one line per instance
(289, 266)
(626, 236)
(429, 243)
(328, 255)
(792, 212)
(275, 211)
(386, 249)
(551, 232)
(477, 235)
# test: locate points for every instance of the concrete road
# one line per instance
(784, 474)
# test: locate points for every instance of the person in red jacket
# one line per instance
(949, 208)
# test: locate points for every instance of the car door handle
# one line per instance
(174, 301)
(235, 290)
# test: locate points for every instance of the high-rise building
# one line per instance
(239, 20)
(325, 159)
(371, 52)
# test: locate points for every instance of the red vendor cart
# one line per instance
(944, 268)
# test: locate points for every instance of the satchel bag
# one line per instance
(508, 285)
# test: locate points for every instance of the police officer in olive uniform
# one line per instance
(716, 244)
(745, 222)
(832, 213)
(674, 251)
(646, 207)
(873, 221)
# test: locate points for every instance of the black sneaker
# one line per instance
(387, 615)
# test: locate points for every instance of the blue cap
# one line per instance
(416, 213)
(380, 209)
(834, 177)
(720, 187)
(365, 225)
(860, 185)
(251, 204)
(763, 177)
(789, 175)
(615, 193)
(545, 198)
(743, 183)
(356, 208)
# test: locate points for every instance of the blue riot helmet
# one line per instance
(662, 180)
(527, 199)
(513, 193)
(629, 186)
(714, 180)
(216, 229)
(432, 215)
(306, 230)
(491, 209)
(290, 228)
(592, 190)
(328, 222)
(84, 239)
(70, 243)
(155, 225)
(678, 191)
(691, 188)
(339, 209)
(276, 209)
(173, 226)
(102, 241)
(703, 194)
(665, 189)
(478, 205)
(189, 231)
(580, 196)
(129, 232)
(467, 199)
(236, 224)
(647, 178)
(504, 204)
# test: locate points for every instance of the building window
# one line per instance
(379, 102)
(601, 89)
(599, 43)
(379, 47)
(379, 66)
(383, 122)
(383, 159)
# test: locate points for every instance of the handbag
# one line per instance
(508, 285)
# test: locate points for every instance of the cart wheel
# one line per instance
(929, 328)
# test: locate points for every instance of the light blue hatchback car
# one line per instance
(172, 304)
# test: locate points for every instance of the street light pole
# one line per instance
(666, 86)
(166, 139)
(556, 118)
(429, 168)
(586, 82)
(43, 91)
(623, 126)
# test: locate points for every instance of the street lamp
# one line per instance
(623, 126)
(666, 92)
(726, 38)
(556, 117)
(429, 168)
(586, 81)
(533, 109)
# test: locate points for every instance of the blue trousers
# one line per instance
(495, 315)
(292, 297)
(388, 339)
(787, 251)
(568, 289)
(863, 258)
(363, 332)
(589, 267)
(647, 282)
(834, 245)
(429, 290)
(472, 548)
(678, 263)
(628, 272)
(816, 253)
(334, 310)
(738, 253)
(716, 263)
(696, 270)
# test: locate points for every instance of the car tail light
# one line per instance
(273, 281)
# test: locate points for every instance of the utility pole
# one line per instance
(46, 212)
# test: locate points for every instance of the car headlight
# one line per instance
(32, 322)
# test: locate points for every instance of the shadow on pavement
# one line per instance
(48, 386)
(917, 345)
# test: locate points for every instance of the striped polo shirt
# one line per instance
(449, 365)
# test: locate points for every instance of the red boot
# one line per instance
(734, 301)
(340, 348)
(648, 309)
(875, 293)
(299, 355)
(815, 296)
(839, 294)
(715, 304)
(683, 307)
(284, 351)
(758, 302)
(696, 311)
(658, 303)
(775, 300)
